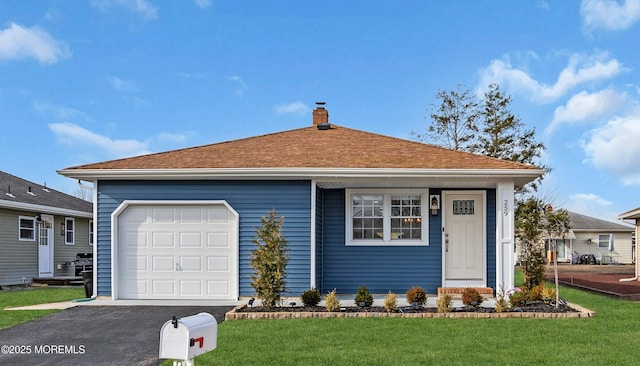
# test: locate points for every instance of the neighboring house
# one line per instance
(635, 216)
(41, 231)
(589, 235)
(359, 209)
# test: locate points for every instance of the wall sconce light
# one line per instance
(434, 200)
(62, 228)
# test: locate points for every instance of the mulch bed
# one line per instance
(608, 284)
(535, 307)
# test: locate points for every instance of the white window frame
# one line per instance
(90, 232)
(67, 231)
(34, 228)
(605, 242)
(386, 217)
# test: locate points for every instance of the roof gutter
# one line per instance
(248, 173)
(45, 209)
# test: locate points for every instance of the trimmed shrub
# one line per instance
(331, 302)
(471, 296)
(391, 302)
(311, 297)
(519, 298)
(444, 303)
(363, 296)
(418, 295)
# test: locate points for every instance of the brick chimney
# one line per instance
(320, 115)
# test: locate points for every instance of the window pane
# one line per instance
(406, 217)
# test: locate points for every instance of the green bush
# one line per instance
(418, 295)
(331, 301)
(391, 302)
(269, 260)
(311, 297)
(363, 296)
(444, 303)
(471, 296)
(519, 297)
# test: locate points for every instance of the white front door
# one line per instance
(45, 246)
(464, 239)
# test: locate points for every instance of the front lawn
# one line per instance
(33, 296)
(611, 338)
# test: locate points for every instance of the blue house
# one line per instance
(359, 209)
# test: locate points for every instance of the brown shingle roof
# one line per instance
(310, 147)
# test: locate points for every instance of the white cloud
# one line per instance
(141, 7)
(292, 108)
(615, 147)
(61, 112)
(586, 106)
(241, 86)
(609, 15)
(166, 137)
(580, 69)
(17, 42)
(74, 135)
(123, 85)
(591, 204)
(202, 3)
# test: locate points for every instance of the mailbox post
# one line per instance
(185, 338)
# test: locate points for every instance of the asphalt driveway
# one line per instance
(94, 335)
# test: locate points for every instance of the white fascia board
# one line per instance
(633, 214)
(45, 209)
(299, 173)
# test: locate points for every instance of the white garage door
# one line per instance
(177, 251)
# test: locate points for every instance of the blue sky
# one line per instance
(88, 81)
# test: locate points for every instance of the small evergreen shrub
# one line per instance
(311, 297)
(535, 293)
(471, 296)
(444, 303)
(363, 296)
(331, 302)
(418, 295)
(549, 294)
(391, 302)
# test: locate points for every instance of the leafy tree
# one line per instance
(269, 260)
(454, 122)
(528, 220)
(502, 135)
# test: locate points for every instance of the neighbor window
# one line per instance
(603, 241)
(26, 228)
(386, 218)
(90, 232)
(69, 230)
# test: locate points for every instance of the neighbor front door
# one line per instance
(45, 247)
(464, 239)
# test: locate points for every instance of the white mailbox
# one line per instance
(185, 338)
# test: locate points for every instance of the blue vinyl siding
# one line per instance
(380, 268)
(491, 238)
(388, 268)
(251, 199)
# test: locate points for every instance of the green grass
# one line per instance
(611, 338)
(33, 296)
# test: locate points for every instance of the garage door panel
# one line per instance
(190, 239)
(163, 264)
(192, 264)
(218, 288)
(163, 287)
(177, 252)
(162, 215)
(218, 264)
(135, 239)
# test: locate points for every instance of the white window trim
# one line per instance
(73, 231)
(606, 242)
(32, 219)
(386, 241)
(90, 232)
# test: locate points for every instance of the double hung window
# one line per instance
(392, 217)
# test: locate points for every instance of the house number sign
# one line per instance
(505, 207)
